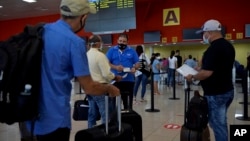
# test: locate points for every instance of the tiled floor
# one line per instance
(171, 112)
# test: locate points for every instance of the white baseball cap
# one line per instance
(210, 25)
(76, 7)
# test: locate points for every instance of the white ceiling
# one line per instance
(15, 9)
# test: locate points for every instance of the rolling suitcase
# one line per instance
(110, 131)
(131, 117)
(134, 119)
(190, 134)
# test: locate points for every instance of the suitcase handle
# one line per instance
(118, 107)
(187, 97)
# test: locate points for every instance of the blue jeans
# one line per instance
(141, 79)
(171, 77)
(96, 104)
(217, 115)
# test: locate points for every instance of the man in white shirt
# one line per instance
(100, 71)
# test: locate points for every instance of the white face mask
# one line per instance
(205, 40)
(101, 47)
(159, 57)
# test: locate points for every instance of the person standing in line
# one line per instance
(156, 66)
(100, 71)
(196, 63)
(124, 61)
(190, 62)
(216, 77)
(172, 60)
(142, 78)
(64, 57)
(179, 78)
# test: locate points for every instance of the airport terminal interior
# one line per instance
(162, 123)
(162, 115)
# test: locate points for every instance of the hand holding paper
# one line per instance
(125, 75)
(185, 70)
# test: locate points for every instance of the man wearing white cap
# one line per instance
(216, 77)
(64, 57)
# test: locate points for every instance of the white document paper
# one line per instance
(124, 76)
(126, 70)
(137, 73)
(186, 70)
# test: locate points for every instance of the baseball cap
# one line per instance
(210, 25)
(76, 7)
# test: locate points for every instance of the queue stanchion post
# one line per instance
(174, 89)
(245, 98)
(152, 109)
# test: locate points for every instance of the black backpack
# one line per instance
(197, 113)
(20, 75)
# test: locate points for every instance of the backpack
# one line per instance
(165, 64)
(144, 66)
(20, 72)
(197, 112)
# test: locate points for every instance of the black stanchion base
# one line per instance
(243, 103)
(152, 110)
(243, 118)
(174, 98)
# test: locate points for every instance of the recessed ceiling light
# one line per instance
(1, 6)
(29, 1)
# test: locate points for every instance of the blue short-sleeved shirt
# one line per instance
(64, 56)
(155, 70)
(127, 58)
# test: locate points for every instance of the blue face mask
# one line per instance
(205, 40)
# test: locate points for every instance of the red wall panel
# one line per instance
(149, 15)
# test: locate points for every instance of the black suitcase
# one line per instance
(134, 119)
(110, 131)
(188, 134)
(131, 117)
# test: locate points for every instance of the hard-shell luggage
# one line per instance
(131, 117)
(190, 134)
(134, 119)
(194, 135)
(110, 131)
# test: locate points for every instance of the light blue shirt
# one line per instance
(127, 58)
(190, 62)
(156, 70)
(64, 56)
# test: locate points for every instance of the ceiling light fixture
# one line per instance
(1, 6)
(29, 1)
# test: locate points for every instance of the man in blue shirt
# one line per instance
(64, 57)
(124, 60)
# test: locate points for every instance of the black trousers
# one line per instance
(61, 134)
(126, 88)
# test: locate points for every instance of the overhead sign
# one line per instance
(171, 16)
